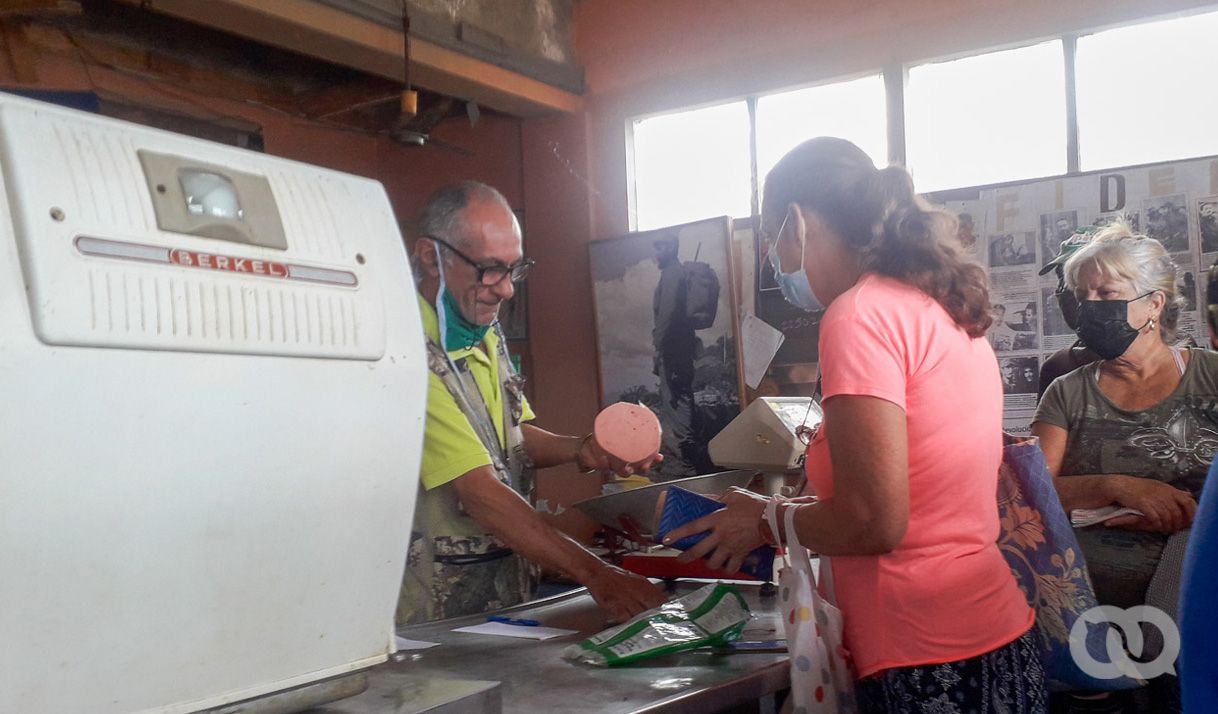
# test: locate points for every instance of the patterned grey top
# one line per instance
(1173, 441)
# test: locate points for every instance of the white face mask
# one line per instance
(795, 286)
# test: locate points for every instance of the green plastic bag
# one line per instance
(713, 615)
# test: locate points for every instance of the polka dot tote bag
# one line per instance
(821, 680)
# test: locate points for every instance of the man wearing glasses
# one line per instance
(477, 543)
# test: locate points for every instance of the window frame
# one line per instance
(632, 197)
(1070, 107)
(751, 104)
(895, 78)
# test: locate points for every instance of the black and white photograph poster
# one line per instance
(1187, 288)
(1054, 322)
(666, 334)
(1175, 203)
(1020, 379)
(1055, 228)
(1167, 222)
(1020, 375)
(966, 231)
(1015, 325)
(1012, 249)
(1207, 224)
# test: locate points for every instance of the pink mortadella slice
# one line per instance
(630, 432)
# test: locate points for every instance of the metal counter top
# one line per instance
(534, 677)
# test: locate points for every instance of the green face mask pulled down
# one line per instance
(459, 333)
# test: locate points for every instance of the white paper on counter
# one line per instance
(527, 632)
(405, 645)
(761, 342)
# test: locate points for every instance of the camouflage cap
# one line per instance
(1069, 246)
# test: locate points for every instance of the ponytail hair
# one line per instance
(876, 213)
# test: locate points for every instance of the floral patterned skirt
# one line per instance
(1010, 680)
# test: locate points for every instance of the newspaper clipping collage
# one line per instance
(1015, 230)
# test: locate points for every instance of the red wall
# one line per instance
(561, 335)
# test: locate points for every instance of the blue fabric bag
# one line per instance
(1038, 542)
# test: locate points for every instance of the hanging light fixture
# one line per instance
(410, 98)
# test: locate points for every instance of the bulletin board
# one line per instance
(1018, 228)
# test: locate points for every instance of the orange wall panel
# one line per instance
(562, 337)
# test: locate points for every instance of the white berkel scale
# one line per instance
(213, 386)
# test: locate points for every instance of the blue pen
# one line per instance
(512, 621)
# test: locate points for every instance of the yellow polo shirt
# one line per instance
(451, 447)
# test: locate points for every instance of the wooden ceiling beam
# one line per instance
(181, 78)
(342, 98)
(153, 66)
(317, 30)
(159, 67)
(40, 8)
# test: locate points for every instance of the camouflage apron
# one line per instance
(455, 567)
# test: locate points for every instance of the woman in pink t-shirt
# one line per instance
(905, 465)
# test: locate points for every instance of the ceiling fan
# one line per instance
(414, 125)
(415, 129)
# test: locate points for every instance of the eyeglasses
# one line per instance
(493, 274)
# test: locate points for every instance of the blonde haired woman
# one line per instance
(1137, 428)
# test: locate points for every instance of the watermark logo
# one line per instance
(1129, 623)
